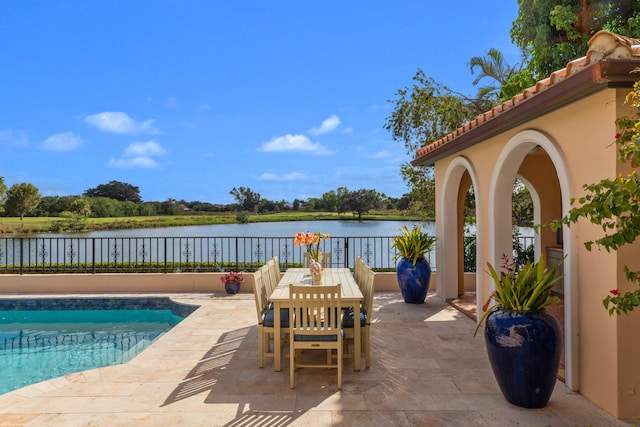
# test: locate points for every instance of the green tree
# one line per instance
(343, 199)
(422, 190)
(246, 198)
(522, 205)
(330, 201)
(361, 201)
(22, 198)
(82, 207)
(54, 205)
(423, 114)
(494, 67)
(266, 205)
(427, 112)
(555, 32)
(115, 190)
(3, 191)
(105, 207)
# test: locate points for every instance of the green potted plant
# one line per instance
(412, 269)
(232, 281)
(524, 342)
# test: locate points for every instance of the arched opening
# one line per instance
(450, 228)
(535, 159)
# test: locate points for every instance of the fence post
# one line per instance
(237, 263)
(93, 255)
(346, 252)
(21, 257)
(165, 255)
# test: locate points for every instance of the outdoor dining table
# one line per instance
(351, 296)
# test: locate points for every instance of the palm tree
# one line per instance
(493, 66)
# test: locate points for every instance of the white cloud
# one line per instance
(65, 141)
(149, 148)
(290, 143)
(171, 102)
(293, 176)
(293, 143)
(378, 155)
(133, 162)
(329, 125)
(138, 155)
(118, 122)
(15, 138)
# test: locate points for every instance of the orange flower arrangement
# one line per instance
(311, 241)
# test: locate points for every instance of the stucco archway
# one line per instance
(449, 230)
(505, 173)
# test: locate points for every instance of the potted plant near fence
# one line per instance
(232, 281)
(412, 269)
(524, 342)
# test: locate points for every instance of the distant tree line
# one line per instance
(118, 199)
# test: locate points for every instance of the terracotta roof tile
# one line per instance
(603, 45)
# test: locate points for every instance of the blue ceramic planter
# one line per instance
(232, 288)
(413, 280)
(524, 350)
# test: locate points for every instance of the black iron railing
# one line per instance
(25, 255)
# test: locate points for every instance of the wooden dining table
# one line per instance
(351, 296)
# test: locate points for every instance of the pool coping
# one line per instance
(98, 303)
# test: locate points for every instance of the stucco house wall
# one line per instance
(555, 150)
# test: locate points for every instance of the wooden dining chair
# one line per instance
(315, 321)
(274, 271)
(266, 322)
(325, 260)
(358, 271)
(366, 312)
(269, 282)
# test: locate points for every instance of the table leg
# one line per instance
(277, 337)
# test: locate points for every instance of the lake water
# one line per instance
(335, 228)
(265, 229)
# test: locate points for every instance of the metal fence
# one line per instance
(24, 255)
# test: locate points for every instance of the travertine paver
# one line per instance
(426, 369)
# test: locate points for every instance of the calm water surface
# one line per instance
(335, 228)
(267, 229)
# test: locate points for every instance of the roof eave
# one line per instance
(590, 79)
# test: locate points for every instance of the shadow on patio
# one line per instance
(427, 369)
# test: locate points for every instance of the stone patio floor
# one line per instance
(426, 370)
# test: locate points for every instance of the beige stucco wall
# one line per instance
(147, 282)
(606, 348)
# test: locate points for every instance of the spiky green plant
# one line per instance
(526, 289)
(413, 244)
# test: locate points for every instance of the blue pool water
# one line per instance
(36, 345)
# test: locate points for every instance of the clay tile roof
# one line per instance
(602, 46)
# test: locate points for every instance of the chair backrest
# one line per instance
(276, 266)
(368, 291)
(274, 272)
(260, 295)
(325, 259)
(269, 284)
(315, 310)
(358, 271)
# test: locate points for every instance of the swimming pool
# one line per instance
(45, 338)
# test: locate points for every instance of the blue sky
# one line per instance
(188, 99)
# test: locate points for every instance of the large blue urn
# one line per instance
(413, 280)
(524, 351)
